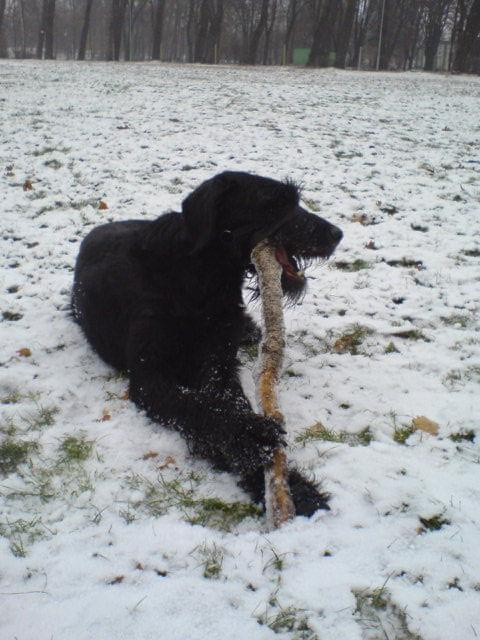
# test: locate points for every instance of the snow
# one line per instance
(91, 560)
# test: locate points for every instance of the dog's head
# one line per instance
(236, 210)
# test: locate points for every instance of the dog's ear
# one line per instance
(201, 209)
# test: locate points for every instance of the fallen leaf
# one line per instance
(105, 416)
(27, 185)
(149, 454)
(126, 395)
(424, 424)
(24, 352)
(103, 205)
(116, 580)
(167, 462)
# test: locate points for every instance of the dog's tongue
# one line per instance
(282, 259)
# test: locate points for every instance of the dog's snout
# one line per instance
(335, 233)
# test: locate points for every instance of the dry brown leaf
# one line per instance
(167, 462)
(103, 205)
(149, 454)
(27, 185)
(25, 352)
(425, 424)
(126, 395)
(105, 416)
(116, 580)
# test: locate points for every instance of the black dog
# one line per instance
(162, 300)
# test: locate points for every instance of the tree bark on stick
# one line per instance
(278, 500)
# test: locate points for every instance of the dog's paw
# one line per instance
(306, 495)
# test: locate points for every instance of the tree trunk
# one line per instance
(41, 31)
(436, 14)
(49, 29)
(85, 28)
(268, 32)
(292, 15)
(466, 42)
(117, 19)
(2, 14)
(200, 43)
(157, 29)
(215, 31)
(345, 34)
(257, 33)
(322, 43)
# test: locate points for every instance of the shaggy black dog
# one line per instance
(162, 300)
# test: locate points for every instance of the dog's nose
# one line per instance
(335, 233)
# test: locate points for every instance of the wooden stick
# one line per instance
(278, 500)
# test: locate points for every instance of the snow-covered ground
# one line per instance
(109, 529)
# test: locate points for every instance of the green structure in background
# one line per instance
(300, 56)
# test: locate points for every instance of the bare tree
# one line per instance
(269, 26)
(326, 15)
(345, 33)
(158, 16)
(45, 34)
(117, 19)
(467, 58)
(436, 12)
(85, 28)
(2, 14)
(252, 16)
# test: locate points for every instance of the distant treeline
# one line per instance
(383, 34)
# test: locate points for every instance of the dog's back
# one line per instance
(104, 283)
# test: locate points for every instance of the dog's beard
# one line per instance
(293, 279)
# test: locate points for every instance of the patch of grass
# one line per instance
(319, 432)
(434, 523)
(456, 319)
(457, 378)
(364, 437)
(311, 204)
(462, 436)
(350, 267)
(391, 348)
(380, 618)
(41, 418)
(287, 620)
(401, 434)
(11, 397)
(215, 513)
(8, 427)
(45, 150)
(21, 533)
(75, 448)
(13, 453)
(411, 334)
(211, 558)
(12, 316)
(53, 164)
(81, 204)
(180, 492)
(351, 340)
(293, 374)
(406, 262)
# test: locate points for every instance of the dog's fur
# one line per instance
(162, 300)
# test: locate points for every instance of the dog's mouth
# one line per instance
(290, 267)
